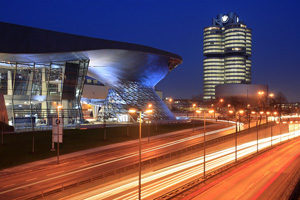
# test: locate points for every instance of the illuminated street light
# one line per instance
(194, 105)
(261, 112)
(58, 107)
(241, 112)
(275, 113)
(271, 95)
(170, 100)
(268, 113)
(211, 111)
(150, 105)
(221, 100)
(260, 93)
(228, 105)
(248, 106)
(147, 111)
(230, 111)
(198, 111)
(132, 110)
(253, 112)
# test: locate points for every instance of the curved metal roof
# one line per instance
(111, 62)
(17, 39)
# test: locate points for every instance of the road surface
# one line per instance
(161, 179)
(23, 181)
(267, 177)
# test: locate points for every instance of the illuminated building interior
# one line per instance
(42, 69)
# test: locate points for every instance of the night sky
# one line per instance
(177, 26)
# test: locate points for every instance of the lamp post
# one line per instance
(148, 111)
(148, 126)
(260, 94)
(204, 139)
(260, 116)
(253, 113)
(248, 114)
(228, 106)
(221, 101)
(58, 108)
(240, 112)
(270, 96)
(193, 121)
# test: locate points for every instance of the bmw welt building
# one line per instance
(41, 69)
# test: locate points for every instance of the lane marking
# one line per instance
(31, 179)
(267, 185)
(9, 185)
(215, 182)
(54, 173)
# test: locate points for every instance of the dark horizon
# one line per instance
(177, 27)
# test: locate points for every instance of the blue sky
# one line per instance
(177, 26)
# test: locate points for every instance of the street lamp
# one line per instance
(260, 93)
(193, 121)
(240, 112)
(212, 112)
(267, 116)
(260, 116)
(273, 118)
(58, 108)
(257, 127)
(147, 111)
(204, 140)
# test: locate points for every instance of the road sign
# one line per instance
(57, 128)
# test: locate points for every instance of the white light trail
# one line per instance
(157, 181)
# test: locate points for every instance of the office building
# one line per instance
(227, 51)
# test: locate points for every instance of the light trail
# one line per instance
(160, 180)
(130, 155)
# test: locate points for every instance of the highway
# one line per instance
(24, 181)
(267, 177)
(158, 180)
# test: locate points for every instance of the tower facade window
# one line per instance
(227, 48)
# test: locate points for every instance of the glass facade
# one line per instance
(227, 47)
(131, 94)
(33, 90)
